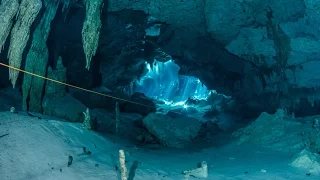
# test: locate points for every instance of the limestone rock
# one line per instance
(225, 18)
(281, 132)
(172, 132)
(187, 14)
(66, 107)
(147, 107)
(307, 160)
(53, 89)
(274, 131)
(130, 126)
(253, 42)
(105, 120)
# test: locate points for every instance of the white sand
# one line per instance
(36, 149)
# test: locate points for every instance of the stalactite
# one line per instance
(27, 13)
(91, 29)
(8, 9)
(66, 4)
(37, 60)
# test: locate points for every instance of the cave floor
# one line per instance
(38, 149)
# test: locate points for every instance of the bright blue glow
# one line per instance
(163, 81)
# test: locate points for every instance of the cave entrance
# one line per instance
(163, 82)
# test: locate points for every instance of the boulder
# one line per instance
(209, 129)
(282, 132)
(307, 160)
(209, 135)
(276, 131)
(66, 107)
(144, 105)
(172, 132)
(175, 114)
(131, 125)
(105, 120)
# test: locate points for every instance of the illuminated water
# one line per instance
(163, 81)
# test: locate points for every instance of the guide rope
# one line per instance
(69, 85)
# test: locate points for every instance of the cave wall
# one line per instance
(262, 51)
(265, 53)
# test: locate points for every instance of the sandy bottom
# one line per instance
(38, 149)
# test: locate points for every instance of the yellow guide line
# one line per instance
(83, 89)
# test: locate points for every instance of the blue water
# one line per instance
(163, 82)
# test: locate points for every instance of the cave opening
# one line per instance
(163, 82)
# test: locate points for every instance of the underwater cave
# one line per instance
(154, 90)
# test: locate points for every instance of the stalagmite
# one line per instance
(87, 122)
(8, 9)
(37, 59)
(28, 11)
(91, 29)
(123, 167)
